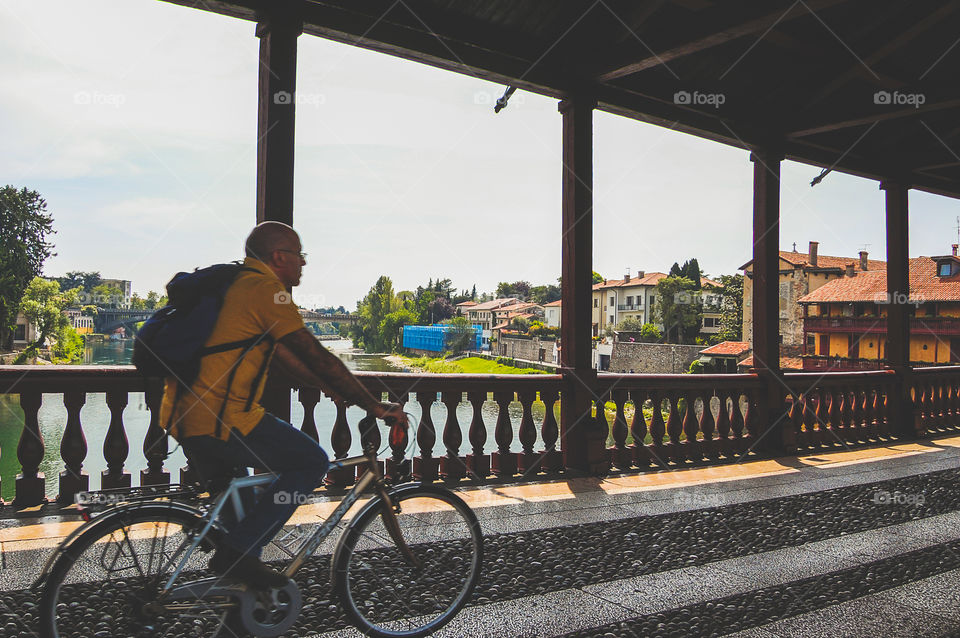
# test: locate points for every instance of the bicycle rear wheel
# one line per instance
(105, 581)
(381, 590)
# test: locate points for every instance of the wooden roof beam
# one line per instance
(714, 37)
(887, 49)
(860, 120)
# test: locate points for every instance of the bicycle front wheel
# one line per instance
(387, 594)
(107, 580)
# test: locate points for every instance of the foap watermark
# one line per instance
(96, 98)
(883, 497)
(303, 301)
(489, 98)
(896, 98)
(97, 498)
(300, 99)
(697, 500)
(290, 498)
(696, 98)
(895, 299)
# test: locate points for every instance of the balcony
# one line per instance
(478, 428)
(627, 307)
(935, 326)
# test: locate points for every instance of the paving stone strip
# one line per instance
(740, 612)
(548, 560)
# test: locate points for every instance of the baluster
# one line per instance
(478, 463)
(73, 450)
(425, 466)
(823, 416)
(370, 439)
(836, 413)
(528, 460)
(658, 429)
(674, 428)
(869, 418)
(638, 428)
(880, 410)
(309, 397)
(155, 440)
(809, 418)
(503, 461)
(691, 447)
(452, 465)
(941, 406)
(954, 402)
(30, 483)
(620, 456)
(340, 441)
(399, 438)
(795, 417)
(723, 426)
(922, 399)
(750, 425)
(115, 445)
(551, 460)
(737, 424)
(846, 414)
(706, 426)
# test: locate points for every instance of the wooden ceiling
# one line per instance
(867, 87)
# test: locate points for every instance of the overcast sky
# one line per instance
(137, 121)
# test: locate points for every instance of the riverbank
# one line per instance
(469, 365)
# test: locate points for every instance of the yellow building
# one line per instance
(845, 320)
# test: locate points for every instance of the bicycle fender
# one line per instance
(119, 511)
(375, 503)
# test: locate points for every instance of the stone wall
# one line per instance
(529, 349)
(653, 358)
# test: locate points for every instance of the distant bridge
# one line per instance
(315, 317)
(109, 319)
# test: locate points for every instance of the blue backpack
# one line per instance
(172, 342)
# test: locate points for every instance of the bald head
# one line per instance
(267, 237)
(278, 246)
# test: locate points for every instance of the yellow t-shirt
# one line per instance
(255, 304)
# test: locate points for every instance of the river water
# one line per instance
(95, 417)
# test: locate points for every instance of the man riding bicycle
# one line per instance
(219, 420)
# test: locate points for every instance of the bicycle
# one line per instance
(404, 565)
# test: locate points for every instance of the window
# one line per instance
(612, 301)
(611, 319)
(21, 333)
(629, 301)
(652, 299)
(709, 322)
(812, 341)
(596, 303)
(945, 269)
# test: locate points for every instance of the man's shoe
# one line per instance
(248, 569)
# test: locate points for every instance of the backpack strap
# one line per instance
(233, 371)
(256, 380)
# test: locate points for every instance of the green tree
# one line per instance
(544, 294)
(461, 336)
(650, 333)
(391, 325)
(520, 324)
(43, 304)
(68, 347)
(80, 279)
(371, 311)
(597, 278)
(678, 308)
(107, 296)
(24, 228)
(137, 302)
(151, 302)
(630, 324)
(519, 289)
(731, 308)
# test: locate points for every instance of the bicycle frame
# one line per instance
(232, 495)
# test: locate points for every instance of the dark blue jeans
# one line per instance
(273, 445)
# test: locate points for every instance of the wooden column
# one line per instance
(582, 443)
(774, 433)
(898, 308)
(276, 109)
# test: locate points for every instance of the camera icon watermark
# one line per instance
(299, 98)
(697, 500)
(282, 297)
(696, 98)
(97, 498)
(488, 98)
(896, 98)
(96, 98)
(883, 497)
(895, 299)
(290, 498)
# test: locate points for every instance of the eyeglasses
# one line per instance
(302, 256)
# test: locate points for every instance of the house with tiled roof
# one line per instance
(801, 274)
(845, 320)
(724, 356)
(551, 314)
(635, 297)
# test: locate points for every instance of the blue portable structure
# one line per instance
(433, 338)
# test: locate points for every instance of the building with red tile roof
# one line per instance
(845, 324)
